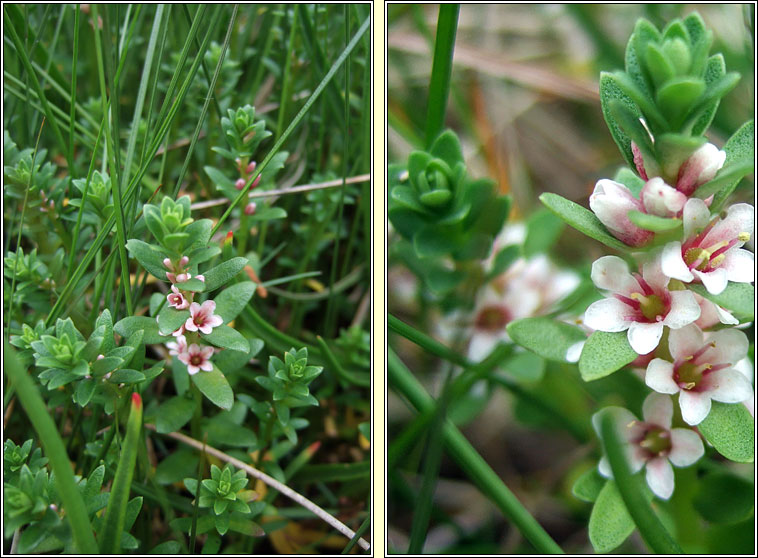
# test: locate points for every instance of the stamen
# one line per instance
(743, 236)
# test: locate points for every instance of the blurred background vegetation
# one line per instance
(524, 101)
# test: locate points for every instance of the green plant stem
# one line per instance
(31, 401)
(442, 69)
(477, 469)
(652, 530)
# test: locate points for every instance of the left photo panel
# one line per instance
(187, 290)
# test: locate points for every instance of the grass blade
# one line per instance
(442, 69)
(119, 498)
(31, 401)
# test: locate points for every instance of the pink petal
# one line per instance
(653, 274)
(207, 366)
(612, 274)
(609, 314)
(714, 281)
(215, 321)
(695, 406)
(730, 346)
(685, 341)
(661, 199)
(189, 325)
(660, 477)
(209, 306)
(739, 265)
(728, 386)
(695, 217)
(672, 263)
(686, 447)
(658, 409)
(660, 376)
(740, 218)
(684, 310)
(645, 337)
(192, 369)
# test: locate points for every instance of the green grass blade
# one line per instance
(475, 467)
(652, 530)
(206, 104)
(442, 69)
(31, 401)
(295, 121)
(111, 143)
(115, 515)
(72, 114)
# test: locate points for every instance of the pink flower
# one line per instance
(661, 199)
(700, 168)
(703, 369)
(653, 444)
(176, 268)
(712, 314)
(528, 288)
(240, 183)
(197, 358)
(639, 304)
(176, 299)
(612, 202)
(711, 250)
(202, 318)
(179, 347)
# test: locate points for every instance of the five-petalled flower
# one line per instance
(703, 370)
(202, 318)
(711, 249)
(642, 304)
(176, 299)
(653, 444)
(197, 358)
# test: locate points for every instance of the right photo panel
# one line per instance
(570, 279)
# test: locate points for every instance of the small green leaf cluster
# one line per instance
(98, 201)
(224, 493)
(14, 457)
(27, 497)
(90, 365)
(170, 224)
(288, 381)
(24, 170)
(673, 85)
(34, 280)
(355, 343)
(436, 206)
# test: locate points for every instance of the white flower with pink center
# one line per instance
(640, 304)
(703, 370)
(197, 358)
(528, 288)
(612, 203)
(178, 347)
(202, 318)
(700, 168)
(653, 444)
(711, 250)
(176, 299)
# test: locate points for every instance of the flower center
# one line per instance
(492, 318)
(196, 359)
(689, 375)
(657, 441)
(651, 306)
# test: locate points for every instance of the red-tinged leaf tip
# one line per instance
(314, 447)
(229, 236)
(136, 399)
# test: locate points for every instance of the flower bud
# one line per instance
(701, 167)
(240, 183)
(661, 199)
(251, 167)
(611, 202)
(250, 208)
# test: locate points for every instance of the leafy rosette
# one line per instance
(442, 211)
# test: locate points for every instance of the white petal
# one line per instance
(661, 199)
(653, 274)
(739, 265)
(684, 310)
(728, 386)
(729, 346)
(745, 367)
(740, 218)
(685, 341)
(605, 468)
(695, 217)
(714, 281)
(645, 337)
(482, 345)
(575, 351)
(672, 263)
(660, 376)
(695, 406)
(660, 477)
(686, 447)
(612, 273)
(658, 409)
(609, 314)
(622, 418)
(725, 317)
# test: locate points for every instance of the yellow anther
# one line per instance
(689, 385)
(743, 236)
(715, 262)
